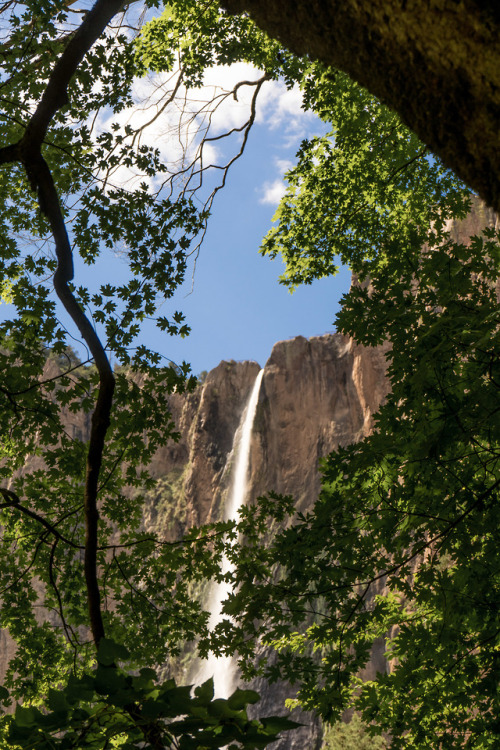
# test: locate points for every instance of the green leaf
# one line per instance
(109, 652)
(109, 681)
(241, 698)
(26, 716)
(205, 692)
(57, 700)
(277, 724)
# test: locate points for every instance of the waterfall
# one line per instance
(223, 668)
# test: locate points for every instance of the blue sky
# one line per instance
(237, 309)
(233, 303)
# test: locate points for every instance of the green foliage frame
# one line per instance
(414, 506)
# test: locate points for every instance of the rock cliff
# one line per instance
(315, 395)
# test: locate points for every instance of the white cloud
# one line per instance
(283, 165)
(273, 192)
(177, 127)
(280, 107)
(277, 106)
(219, 82)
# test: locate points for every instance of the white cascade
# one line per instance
(223, 668)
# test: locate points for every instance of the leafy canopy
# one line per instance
(401, 544)
(80, 576)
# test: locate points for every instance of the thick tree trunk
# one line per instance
(436, 62)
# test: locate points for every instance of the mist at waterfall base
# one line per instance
(224, 668)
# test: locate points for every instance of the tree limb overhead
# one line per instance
(436, 63)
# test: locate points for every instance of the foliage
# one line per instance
(362, 192)
(110, 708)
(80, 185)
(350, 735)
(412, 507)
(402, 542)
(215, 38)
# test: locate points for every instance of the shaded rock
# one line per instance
(316, 395)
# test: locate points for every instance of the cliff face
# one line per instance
(207, 421)
(315, 395)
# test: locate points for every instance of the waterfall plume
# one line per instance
(223, 668)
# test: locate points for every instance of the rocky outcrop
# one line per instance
(207, 421)
(435, 63)
(315, 395)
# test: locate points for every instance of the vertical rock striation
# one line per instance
(316, 395)
(206, 420)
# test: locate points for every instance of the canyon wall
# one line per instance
(315, 395)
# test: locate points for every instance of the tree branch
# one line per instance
(12, 501)
(41, 176)
(28, 151)
(55, 95)
(437, 64)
